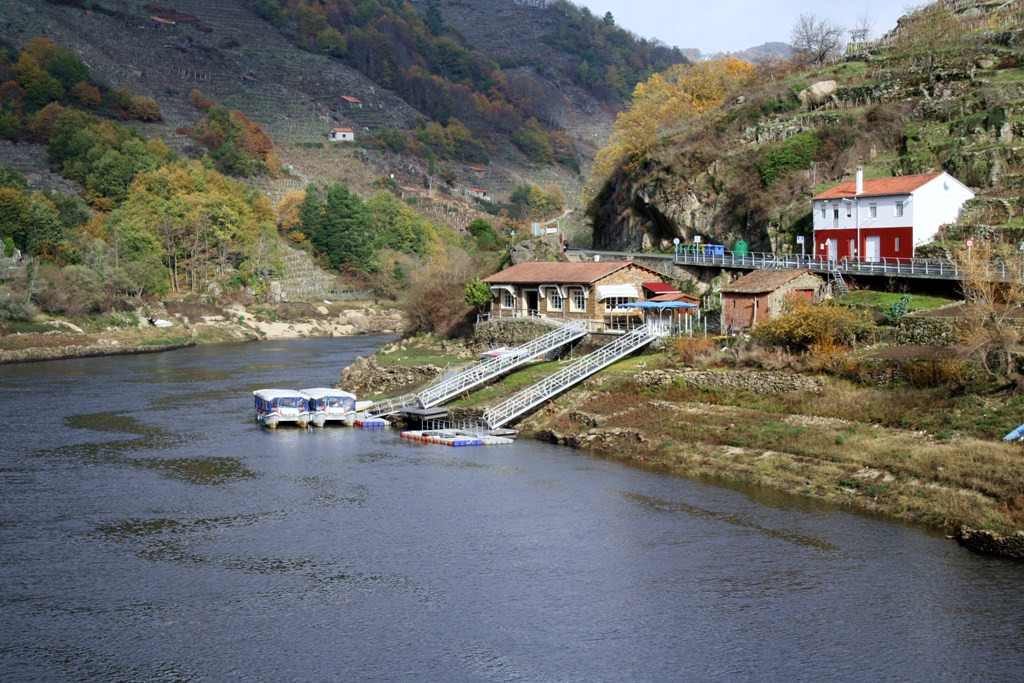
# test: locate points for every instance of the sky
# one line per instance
(732, 25)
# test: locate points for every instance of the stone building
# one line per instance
(762, 293)
(581, 291)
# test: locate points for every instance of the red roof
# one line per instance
(537, 273)
(761, 281)
(879, 186)
(350, 99)
(476, 189)
(342, 130)
(162, 20)
(675, 296)
(659, 287)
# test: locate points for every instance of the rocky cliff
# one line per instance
(898, 106)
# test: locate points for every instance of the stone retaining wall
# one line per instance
(923, 331)
(748, 380)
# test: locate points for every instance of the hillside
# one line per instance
(943, 91)
(236, 57)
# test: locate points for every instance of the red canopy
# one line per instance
(659, 287)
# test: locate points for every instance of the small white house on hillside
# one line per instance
(341, 135)
(885, 218)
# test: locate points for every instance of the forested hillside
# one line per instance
(471, 82)
(943, 91)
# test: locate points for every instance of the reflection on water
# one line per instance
(168, 537)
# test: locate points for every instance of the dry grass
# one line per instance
(846, 445)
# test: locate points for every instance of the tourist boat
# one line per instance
(275, 406)
(330, 405)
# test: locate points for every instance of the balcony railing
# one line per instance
(902, 267)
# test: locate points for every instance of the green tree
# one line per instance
(11, 178)
(483, 232)
(398, 227)
(477, 293)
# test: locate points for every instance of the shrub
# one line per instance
(144, 109)
(805, 323)
(689, 350)
(792, 155)
(897, 310)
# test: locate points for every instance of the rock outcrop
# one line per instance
(818, 94)
(366, 376)
(991, 543)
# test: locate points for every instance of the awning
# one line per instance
(508, 288)
(659, 288)
(619, 291)
(658, 304)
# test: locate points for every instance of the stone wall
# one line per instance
(748, 380)
(925, 331)
(509, 333)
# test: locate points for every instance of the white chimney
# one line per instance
(860, 179)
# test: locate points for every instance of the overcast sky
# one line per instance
(732, 25)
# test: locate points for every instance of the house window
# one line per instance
(899, 208)
(849, 209)
(579, 300)
(554, 301)
(508, 300)
(897, 244)
(853, 248)
(612, 302)
(823, 216)
(872, 210)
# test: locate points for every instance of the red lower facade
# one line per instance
(875, 244)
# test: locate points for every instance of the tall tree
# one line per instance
(815, 39)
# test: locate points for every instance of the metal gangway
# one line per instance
(551, 386)
(483, 371)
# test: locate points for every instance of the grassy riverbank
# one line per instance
(917, 454)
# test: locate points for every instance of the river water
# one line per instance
(149, 530)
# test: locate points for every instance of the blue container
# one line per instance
(714, 250)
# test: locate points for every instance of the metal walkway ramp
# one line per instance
(551, 386)
(481, 372)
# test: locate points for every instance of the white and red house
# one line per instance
(885, 218)
(341, 135)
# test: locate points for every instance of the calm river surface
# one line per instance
(149, 530)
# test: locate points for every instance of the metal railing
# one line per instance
(499, 365)
(901, 267)
(480, 372)
(619, 323)
(572, 374)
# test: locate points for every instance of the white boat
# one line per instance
(276, 406)
(330, 405)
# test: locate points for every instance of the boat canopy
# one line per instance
(325, 392)
(271, 394)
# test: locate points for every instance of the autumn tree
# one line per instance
(993, 287)
(667, 100)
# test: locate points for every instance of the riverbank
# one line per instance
(191, 324)
(919, 455)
